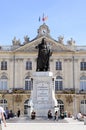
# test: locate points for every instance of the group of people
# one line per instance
(57, 115)
(6, 114)
(9, 113)
(50, 116)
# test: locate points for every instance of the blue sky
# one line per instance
(20, 17)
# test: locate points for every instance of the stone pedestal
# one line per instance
(43, 95)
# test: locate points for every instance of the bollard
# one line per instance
(85, 120)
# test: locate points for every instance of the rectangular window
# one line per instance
(27, 85)
(28, 65)
(82, 85)
(58, 65)
(83, 65)
(3, 85)
(4, 65)
(58, 85)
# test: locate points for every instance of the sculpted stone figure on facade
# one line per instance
(26, 39)
(60, 39)
(71, 42)
(44, 54)
(16, 42)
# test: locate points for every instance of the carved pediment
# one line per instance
(31, 46)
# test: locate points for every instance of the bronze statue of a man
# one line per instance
(44, 54)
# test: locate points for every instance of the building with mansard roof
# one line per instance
(68, 64)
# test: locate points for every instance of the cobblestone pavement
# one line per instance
(25, 123)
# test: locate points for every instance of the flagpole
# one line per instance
(43, 19)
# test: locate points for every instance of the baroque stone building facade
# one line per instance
(68, 64)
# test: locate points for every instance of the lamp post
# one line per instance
(84, 103)
(74, 101)
(13, 81)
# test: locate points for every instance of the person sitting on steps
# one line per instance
(33, 114)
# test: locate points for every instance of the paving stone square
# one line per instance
(24, 123)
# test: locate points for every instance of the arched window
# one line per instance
(27, 83)
(3, 83)
(60, 105)
(58, 83)
(83, 83)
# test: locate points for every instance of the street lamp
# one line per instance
(74, 102)
(84, 103)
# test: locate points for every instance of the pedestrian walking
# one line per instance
(2, 118)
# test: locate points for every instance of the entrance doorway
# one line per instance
(60, 105)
